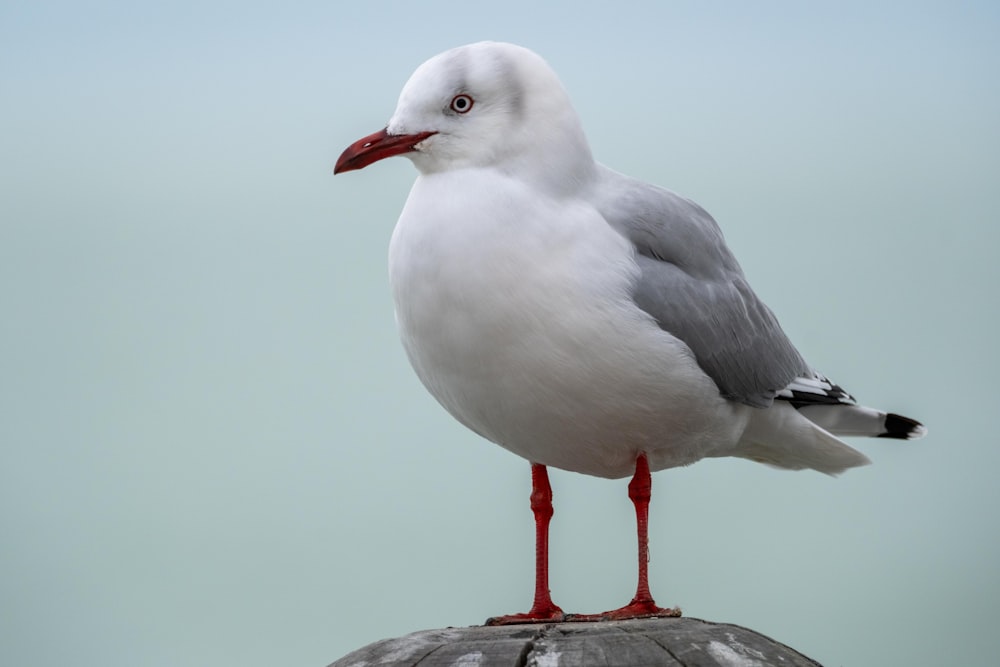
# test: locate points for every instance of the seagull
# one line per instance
(580, 318)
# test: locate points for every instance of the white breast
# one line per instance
(516, 314)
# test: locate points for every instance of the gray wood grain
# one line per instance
(671, 642)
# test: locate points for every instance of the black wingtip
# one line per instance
(902, 428)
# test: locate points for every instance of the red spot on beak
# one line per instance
(376, 147)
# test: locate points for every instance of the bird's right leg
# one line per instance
(543, 610)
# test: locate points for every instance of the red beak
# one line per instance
(375, 147)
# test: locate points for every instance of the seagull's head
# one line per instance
(488, 104)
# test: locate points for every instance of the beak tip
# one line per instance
(376, 147)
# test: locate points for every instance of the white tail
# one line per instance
(781, 436)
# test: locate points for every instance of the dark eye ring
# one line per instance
(461, 103)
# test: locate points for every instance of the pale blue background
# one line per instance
(213, 451)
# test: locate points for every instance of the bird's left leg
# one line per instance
(642, 605)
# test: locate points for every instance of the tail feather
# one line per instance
(800, 428)
(858, 420)
(782, 437)
(827, 404)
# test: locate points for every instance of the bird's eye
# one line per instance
(461, 103)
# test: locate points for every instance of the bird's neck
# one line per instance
(559, 163)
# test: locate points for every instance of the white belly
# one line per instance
(515, 314)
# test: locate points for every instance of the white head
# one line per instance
(485, 105)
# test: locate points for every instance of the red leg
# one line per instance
(542, 610)
(642, 605)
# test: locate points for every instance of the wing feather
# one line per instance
(691, 284)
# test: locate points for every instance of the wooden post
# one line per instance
(671, 642)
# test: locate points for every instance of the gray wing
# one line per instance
(694, 288)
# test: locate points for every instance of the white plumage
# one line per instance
(580, 318)
(571, 314)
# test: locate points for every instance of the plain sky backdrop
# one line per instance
(213, 450)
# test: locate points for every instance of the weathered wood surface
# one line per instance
(671, 642)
